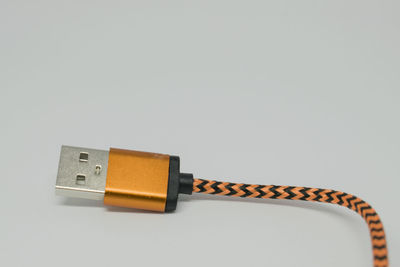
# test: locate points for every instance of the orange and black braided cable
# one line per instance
(352, 202)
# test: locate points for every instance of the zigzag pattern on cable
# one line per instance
(377, 233)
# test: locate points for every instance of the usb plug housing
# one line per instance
(82, 173)
(119, 177)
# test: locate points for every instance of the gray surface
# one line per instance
(284, 92)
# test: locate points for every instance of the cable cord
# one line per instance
(352, 202)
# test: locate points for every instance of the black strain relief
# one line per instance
(177, 183)
(186, 183)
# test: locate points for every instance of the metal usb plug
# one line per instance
(82, 173)
(123, 178)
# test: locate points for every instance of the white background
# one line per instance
(273, 92)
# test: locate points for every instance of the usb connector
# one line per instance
(82, 173)
(126, 178)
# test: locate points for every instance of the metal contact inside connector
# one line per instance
(80, 179)
(83, 156)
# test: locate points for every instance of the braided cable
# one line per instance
(352, 202)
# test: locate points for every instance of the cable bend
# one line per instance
(377, 233)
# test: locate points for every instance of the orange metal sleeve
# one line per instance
(137, 180)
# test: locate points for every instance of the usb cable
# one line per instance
(152, 181)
